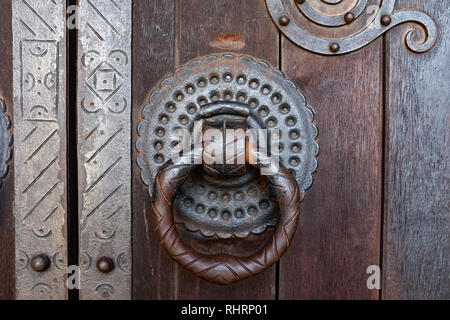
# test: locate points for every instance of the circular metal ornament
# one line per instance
(5, 141)
(334, 20)
(226, 207)
(237, 202)
(273, 102)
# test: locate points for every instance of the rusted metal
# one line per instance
(386, 20)
(225, 268)
(381, 18)
(229, 200)
(334, 47)
(273, 103)
(284, 20)
(349, 17)
(104, 157)
(226, 207)
(40, 263)
(39, 87)
(105, 264)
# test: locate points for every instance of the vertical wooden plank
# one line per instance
(417, 219)
(206, 27)
(7, 255)
(339, 229)
(153, 57)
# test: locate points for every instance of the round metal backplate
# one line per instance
(225, 207)
(274, 103)
(5, 141)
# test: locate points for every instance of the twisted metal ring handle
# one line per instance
(224, 269)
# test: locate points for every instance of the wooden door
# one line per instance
(380, 195)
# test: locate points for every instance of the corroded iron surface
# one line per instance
(224, 268)
(273, 103)
(39, 50)
(226, 200)
(104, 118)
(226, 207)
(344, 14)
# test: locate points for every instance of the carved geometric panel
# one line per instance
(104, 144)
(39, 85)
(39, 81)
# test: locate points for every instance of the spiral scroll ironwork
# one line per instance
(383, 17)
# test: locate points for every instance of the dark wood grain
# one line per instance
(339, 229)
(153, 57)
(214, 26)
(417, 194)
(7, 255)
(206, 27)
(339, 234)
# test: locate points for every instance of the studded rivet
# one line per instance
(105, 264)
(40, 263)
(334, 47)
(386, 20)
(349, 17)
(284, 20)
(222, 201)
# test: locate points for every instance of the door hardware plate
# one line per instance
(281, 106)
(5, 141)
(39, 88)
(104, 130)
(360, 21)
(221, 205)
(226, 207)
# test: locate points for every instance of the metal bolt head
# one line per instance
(334, 47)
(386, 20)
(40, 263)
(105, 264)
(284, 20)
(349, 17)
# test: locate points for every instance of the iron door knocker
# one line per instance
(228, 217)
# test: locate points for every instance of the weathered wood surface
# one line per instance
(417, 188)
(339, 230)
(7, 255)
(153, 57)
